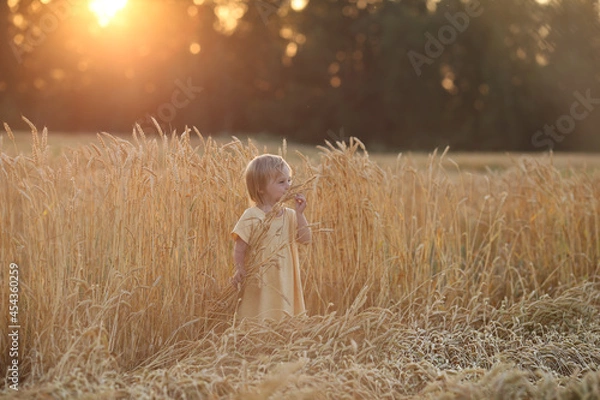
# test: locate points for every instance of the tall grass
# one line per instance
(124, 250)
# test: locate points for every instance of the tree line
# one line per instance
(410, 74)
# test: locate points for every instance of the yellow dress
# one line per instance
(275, 289)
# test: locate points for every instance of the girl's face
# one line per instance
(277, 187)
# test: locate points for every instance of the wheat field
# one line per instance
(423, 281)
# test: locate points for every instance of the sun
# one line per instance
(105, 10)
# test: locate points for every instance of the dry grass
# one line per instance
(423, 281)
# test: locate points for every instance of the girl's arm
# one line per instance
(304, 235)
(239, 258)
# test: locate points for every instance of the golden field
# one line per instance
(429, 276)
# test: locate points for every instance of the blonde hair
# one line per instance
(260, 171)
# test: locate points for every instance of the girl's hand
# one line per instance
(300, 201)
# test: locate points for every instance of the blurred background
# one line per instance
(485, 75)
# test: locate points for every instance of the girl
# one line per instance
(266, 240)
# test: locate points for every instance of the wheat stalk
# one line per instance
(424, 280)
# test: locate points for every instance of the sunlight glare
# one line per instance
(105, 10)
(298, 5)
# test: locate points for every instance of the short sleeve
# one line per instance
(243, 228)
